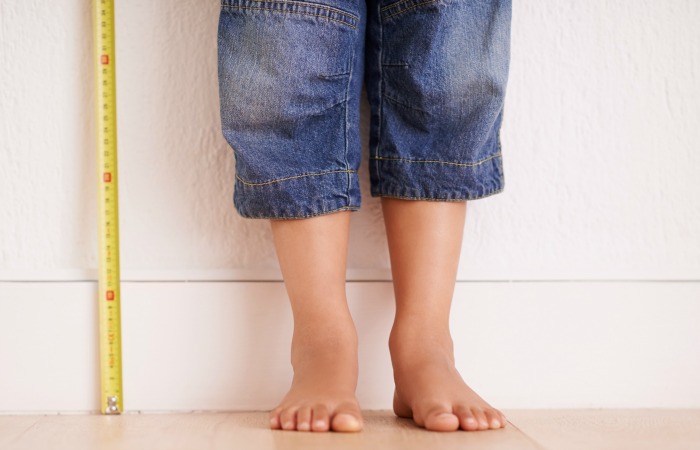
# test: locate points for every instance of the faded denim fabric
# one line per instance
(290, 80)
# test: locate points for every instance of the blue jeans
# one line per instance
(291, 75)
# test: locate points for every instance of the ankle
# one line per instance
(412, 342)
(334, 342)
(424, 331)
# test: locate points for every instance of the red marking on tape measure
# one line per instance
(107, 177)
(110, 295)
(105, 59)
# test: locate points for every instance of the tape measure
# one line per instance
(112, 398)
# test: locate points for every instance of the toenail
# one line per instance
(495, 423)
(320, 423)
(349, 416)
(288, 425)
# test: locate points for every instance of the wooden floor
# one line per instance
(527, 429)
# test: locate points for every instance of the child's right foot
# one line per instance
(322, 396)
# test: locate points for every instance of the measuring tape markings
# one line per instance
(109, 279)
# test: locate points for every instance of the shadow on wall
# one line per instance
(85, 218)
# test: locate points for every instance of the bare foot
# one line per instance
(322, 396)
(430, 390)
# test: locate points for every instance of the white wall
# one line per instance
(601, 159)
(223, 346)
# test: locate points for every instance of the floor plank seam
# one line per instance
(19, 436)
(530, 438)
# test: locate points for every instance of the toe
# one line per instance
(304, 419)
(504, 421)
(288, 419)
(492, 418)
(440, 418)
(467, 421)
(275, 419)
(480, 418)
(347, 418)
(319, 418)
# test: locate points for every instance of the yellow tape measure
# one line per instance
(111, 398)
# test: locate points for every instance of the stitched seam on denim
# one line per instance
(292, 177)
(470, 197)
(342, 208)
(381, 97)
(293, 12)
(500, 163)
(439, 162)
(299, 12)
(347, 107)
(402, 9)
(402, 4)
(393, 5)
(304, 4)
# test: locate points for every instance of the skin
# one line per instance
(425, 241)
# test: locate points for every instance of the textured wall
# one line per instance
(600, 142)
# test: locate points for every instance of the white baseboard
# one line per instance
(225, 345)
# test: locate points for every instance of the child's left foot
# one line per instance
(430, 390)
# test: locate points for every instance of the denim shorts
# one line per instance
(291, 75)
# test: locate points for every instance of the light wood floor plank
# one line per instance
(638, 429)
(247, 431)
(528, 429)
(12, 427)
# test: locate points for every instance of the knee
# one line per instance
(447, 95)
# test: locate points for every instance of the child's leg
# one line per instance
(425, 240)
(312, 255)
